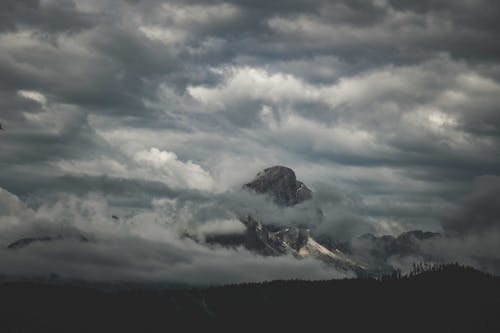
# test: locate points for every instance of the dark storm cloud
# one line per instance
(388, 109)
(479, 209)
(480, 15)
(54, 16)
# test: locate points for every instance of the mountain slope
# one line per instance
(280, 185)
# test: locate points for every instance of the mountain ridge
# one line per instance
(280, 185)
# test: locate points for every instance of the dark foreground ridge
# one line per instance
(448, 298)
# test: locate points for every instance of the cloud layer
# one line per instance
(387, 109)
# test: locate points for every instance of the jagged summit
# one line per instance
(281, 184)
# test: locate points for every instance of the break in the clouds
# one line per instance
(388, 110)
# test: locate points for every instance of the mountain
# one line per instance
(280, 185)
(366, 253)
(379, 251)
(407, 243)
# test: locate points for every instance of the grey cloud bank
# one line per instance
(388, 110)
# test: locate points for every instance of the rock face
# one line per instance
(270, 240)
(281, 185)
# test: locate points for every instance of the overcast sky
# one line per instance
(149, 110)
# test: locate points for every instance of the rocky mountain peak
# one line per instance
(281, 184)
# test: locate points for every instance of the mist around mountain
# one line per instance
(295, 233)
(388, 283)
(364, 255)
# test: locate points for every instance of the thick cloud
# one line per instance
(478, 211)
(392, 106)
(144, 246)
(51, 16)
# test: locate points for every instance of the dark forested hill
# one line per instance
(445, 299)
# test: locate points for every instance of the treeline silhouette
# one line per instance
(442, 270)
(430, 298)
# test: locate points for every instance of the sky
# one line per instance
(158, 111)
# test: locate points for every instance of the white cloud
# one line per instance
(251, 83)
(221, 227)
(166, 35)
(188, 15)
(33, 95)
(13, 212)
(167, 167)
(151, 164)
(242, 83)
(320, 137)
(154, 251)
